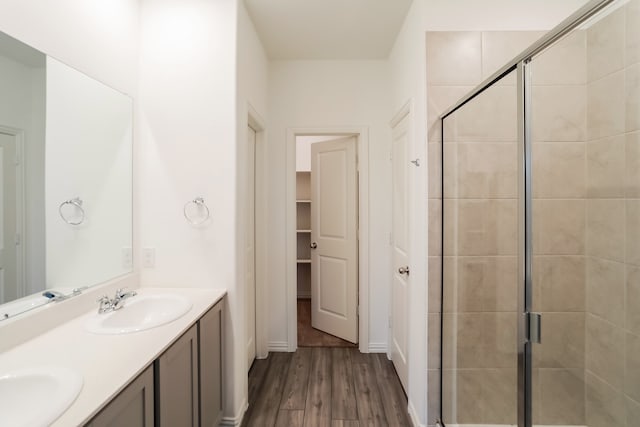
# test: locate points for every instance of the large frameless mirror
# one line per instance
(65, 180)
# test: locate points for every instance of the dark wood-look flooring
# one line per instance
(325, 387)
(308, 336)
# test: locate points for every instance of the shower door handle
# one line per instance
(535, 327)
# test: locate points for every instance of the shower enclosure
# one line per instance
(541, 233)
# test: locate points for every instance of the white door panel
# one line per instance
(250, 252)
(400, 282)
(334, 226)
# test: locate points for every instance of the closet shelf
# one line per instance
(303, 201)
(303, 231)
(304, 261)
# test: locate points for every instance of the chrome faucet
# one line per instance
(107, 304)
(121, 295)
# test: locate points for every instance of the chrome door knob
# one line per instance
(404, 270)
(313, 245)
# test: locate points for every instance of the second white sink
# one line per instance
(36, 397)
(139, 313)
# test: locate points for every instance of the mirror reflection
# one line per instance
(65, 180)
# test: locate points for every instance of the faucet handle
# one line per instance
(103, 299)
(120, 292)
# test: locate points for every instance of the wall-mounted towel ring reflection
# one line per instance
(199, 204)
(77, 202)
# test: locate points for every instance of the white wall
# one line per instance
(22, 107)
(89, 142)
(330, 94)
(252, 90)
(408, 85)
(99, 38)
(303, 150)
(187, 134)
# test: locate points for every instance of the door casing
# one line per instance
(362, 134)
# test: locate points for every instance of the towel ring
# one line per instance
(199, 202)
(77, 202)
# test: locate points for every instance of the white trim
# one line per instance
(237, 420)
(21, 213)
(278, 347)
(401, 114)
(304, 295)
(413, 415)
(257, 123)
(378, 347)
(362, 132)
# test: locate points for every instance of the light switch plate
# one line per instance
(149, 257)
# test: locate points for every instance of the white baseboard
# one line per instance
(413, 416)
(377, 347)
(237, 420)
(278, 346)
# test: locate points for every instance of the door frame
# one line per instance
(258, 124)
(362, 152)
(21, 192)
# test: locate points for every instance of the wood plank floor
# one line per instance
(325, 387)
(308, 336)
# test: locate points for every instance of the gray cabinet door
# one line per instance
(177, 383)
(211, 397)
(133, 407)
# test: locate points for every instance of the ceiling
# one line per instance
(328, 29)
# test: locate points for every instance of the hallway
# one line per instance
(333, 387)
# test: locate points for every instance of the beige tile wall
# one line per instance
(586, 187)
(559, 225)
(481, 225)
(612, 352)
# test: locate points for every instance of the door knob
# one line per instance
(404, 270)
(313, 245)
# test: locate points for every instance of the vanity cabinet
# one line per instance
(132, 407)
(183, 386)
(210, 337)
(177, 382)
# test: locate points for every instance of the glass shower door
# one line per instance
(480, 263)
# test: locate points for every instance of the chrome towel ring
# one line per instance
(77, 202)
(199, 204)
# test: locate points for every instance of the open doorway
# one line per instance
(327, 240)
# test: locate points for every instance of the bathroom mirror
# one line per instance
(65, 179)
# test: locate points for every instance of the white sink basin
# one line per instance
(139, 313)
(37, 396)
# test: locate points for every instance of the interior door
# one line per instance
(8, 219)
(250, 252)
(334, 242)
(400, 283)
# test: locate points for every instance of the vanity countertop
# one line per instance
(107, 362)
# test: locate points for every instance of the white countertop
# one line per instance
(107, 362)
